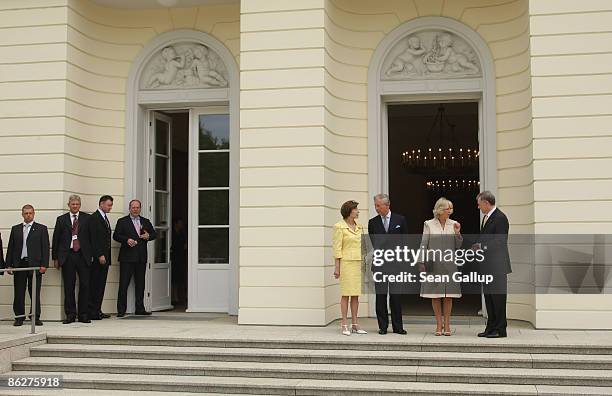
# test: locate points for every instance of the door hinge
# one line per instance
(148, 294)
(150, 123)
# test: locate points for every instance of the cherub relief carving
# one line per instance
(431, 54)
(184, 65)
(409, 61)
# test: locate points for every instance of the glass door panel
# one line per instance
(210, 209)
(213, 189)
(159, 270)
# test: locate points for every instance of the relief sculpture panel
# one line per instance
(184, 65)
(431, 54)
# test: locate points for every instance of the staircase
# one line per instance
(345, 366)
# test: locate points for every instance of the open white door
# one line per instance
(209, 211)
(160, 204)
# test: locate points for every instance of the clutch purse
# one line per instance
(427, 265)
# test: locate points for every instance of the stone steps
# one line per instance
(96, 392)
(276, 386)
(335, 365)
(399, 343)
(319, 356)
(336, 372)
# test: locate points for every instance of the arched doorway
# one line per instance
(188, 74)
(423, 65)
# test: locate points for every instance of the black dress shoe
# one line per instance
(96, 317)
(142, 313)
(382, 332)
(120, 315)
(483, 334)
(38, 322)
(104, 316)
(18, 322)
(496, 334)
(69, 320)
(402, 332)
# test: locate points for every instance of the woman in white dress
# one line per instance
(441, 234)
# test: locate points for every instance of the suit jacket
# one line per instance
(494, 241)
(100, 234)
(346, 242)
(37, 243)
(2, 263)
(125, 230)
(62, 237)
(382, 239)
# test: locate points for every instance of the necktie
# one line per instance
(484, 220)
(107, 223)
(76, 245)
(136, 222)
(24, 248)
(386, 223)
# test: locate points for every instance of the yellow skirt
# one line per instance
(350, 277)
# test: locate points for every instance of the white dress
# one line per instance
(436, 237)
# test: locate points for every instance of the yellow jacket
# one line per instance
(347, 243)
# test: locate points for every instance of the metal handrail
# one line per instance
(33, 299)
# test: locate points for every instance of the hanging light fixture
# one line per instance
(450, 184)
(443, 156)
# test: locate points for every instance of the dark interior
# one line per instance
(414, 126)
(180, 168)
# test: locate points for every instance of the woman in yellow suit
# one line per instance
(347, 254)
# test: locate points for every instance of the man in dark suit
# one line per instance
(71, 250)
(133, 232)
(100, 231)
(386, 230)
(28, 247)
(494, 241)
(2, 262)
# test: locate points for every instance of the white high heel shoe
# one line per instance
(356, 329)
(345, 330)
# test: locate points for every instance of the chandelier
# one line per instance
(439, 154)
(443, 185)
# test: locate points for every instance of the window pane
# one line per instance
(214, 207)
(214, 169)
(213, 245)
(161, 137)
(161, 246)
(214, 131)
(161, 209)
(161, 173)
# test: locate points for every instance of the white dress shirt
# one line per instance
(72, 218)
(26, 231)
(488, 216)
(386, 221)
(136, 222)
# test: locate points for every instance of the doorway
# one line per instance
(179, 189)
(190, 184)
(418, 176)
(168, 191)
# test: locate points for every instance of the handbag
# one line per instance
(367, 259)
(428, 266)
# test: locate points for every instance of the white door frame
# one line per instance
(139, 102)
(150, 199)
(194, 266)
(381, 92)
